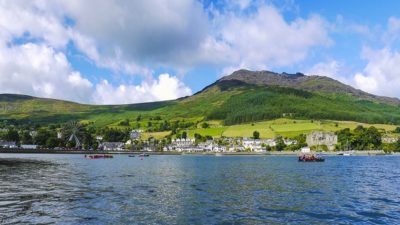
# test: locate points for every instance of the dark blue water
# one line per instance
(69, 189)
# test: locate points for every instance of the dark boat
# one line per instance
(103, 156)
(131, 156)
(144, 155)
(311, 158)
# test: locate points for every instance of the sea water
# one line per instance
(70, 189)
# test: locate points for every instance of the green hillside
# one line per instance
(232, 100)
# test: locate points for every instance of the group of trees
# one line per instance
(48, 137)
(360, 138)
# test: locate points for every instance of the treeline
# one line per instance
(362, 138)
(60, 136)
(276, 102)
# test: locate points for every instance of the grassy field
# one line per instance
(285, 127)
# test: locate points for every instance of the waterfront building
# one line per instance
(28, 146)
(8, 144)
(305, 150)
(112, 146)
(322, 138)
(182, 144)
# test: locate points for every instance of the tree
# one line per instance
(26, 137)
(280, 144)
(184, 135)
(256, 135)
(205, 125)
(12, 135)
(344, 138)
(52, 142)
(124, 122)
(41, 137)
(115, 135)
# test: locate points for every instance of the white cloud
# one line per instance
(381, 75)
(166, 87)
(393, 31)
(265, 39)
(35, 19)
(39, 70)
(329, 68)
(161, 32)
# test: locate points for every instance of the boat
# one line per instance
(131, 155)
(144, 155)
(99, 156)
(350, 153)
(310, 158)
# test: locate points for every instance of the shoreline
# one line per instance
(273, 153)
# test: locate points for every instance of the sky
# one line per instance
(131, 51)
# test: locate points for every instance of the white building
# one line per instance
(28, 146)
(8, 144)
(135, 134)
(112, 146)
(389, 139)
(181, 144)
(305, 150)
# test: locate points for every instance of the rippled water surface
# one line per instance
(69, 189)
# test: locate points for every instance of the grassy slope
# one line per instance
(283, 126)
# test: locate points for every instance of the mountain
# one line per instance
(303, 82)
(244, 96)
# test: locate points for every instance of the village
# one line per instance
(315, 140)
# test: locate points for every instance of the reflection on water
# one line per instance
(69, 189)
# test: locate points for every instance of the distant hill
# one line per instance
(244, 96)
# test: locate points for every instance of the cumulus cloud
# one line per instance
(162, 32)
(135, 37)
(34, 19)
(392, 33)
(381, 75)
(39, 70)
(265, 39)
(166, 87)
(329, 68)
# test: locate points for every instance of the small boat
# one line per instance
(348, 153)
(310, 158)
(100, 156)
(144, 155)
(131, 156)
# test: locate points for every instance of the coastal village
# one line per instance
(315, 140)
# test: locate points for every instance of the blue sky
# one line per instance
(112, 52)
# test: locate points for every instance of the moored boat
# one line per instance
(144, 155)
(310, 158)
(99, 156)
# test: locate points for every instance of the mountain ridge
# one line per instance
(303, 82)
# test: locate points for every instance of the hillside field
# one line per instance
(284, 127)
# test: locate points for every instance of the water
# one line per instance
(69, 189)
